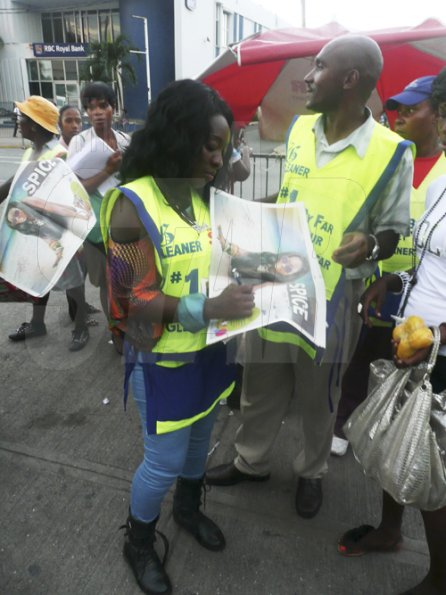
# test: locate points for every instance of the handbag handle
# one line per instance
(434, 351)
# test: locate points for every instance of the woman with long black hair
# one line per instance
(157, 234)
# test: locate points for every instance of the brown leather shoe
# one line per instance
(228, 475)
(308, 497)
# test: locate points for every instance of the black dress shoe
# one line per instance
(28, 330)
(228, 475)
(308, 497)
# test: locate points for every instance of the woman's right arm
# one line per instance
(150, 304)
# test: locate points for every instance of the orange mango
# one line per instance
(421, 338)
(404, 350)
(411, 335)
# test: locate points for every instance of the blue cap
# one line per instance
(415, 92)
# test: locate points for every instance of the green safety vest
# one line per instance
(337, 197)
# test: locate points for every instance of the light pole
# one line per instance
(146, 54)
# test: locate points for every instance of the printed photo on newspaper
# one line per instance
(45, 220)
(269, 247)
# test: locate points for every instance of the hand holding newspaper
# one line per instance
(91, 160)
(269, 247)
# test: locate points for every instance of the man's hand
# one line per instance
(353, 250)
(375, 295)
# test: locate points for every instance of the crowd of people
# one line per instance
(382, 193)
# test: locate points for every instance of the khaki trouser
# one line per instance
(274, 373)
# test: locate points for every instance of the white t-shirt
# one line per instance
(428, 296)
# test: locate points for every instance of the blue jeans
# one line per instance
(166, 456)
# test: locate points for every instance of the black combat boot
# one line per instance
(186, 504)
(142, 558)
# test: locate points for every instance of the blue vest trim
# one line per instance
(149, 224)
(288, 132)
(380, 185)
(175, 394)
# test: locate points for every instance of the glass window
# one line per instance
(61, 94)
(72, 94)
(47, 90)
(77, 26)
(85, 31)
(225, 39)
(116, 25)
(70, 70)
(46, 70)
(90, 26)
(58, 27)
(33, 73)
(34, 88)
(70, 27)
(58, 74)
(105, 26)
(47, 29)
(248, 29)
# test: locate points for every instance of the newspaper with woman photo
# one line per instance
(45, 219)
(269, 247)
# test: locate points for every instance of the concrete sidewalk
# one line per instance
(66, 462)
(12, 142)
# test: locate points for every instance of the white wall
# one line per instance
(195, 31)
(18, 28)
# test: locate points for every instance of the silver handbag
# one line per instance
(398, 434)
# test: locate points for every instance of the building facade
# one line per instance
(46, 43)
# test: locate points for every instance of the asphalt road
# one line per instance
(9, 162)
(67, 456)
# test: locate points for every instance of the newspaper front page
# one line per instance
(45, 220)
(269, 247)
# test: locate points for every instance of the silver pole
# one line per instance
(146, 54)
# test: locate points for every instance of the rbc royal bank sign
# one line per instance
(60, 50)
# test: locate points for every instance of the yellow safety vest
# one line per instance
(402, 259)
(57, 151)
(337, 197)
(182, 256)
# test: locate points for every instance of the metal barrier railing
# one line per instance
(265, 177)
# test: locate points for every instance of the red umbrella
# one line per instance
(267, 69)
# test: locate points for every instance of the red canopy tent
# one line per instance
(267, 69)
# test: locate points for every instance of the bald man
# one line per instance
(354, 177)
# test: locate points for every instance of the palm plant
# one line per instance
(109, 63)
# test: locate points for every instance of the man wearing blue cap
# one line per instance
(416, 121)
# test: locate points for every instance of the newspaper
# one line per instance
(269, 247)
(91, 160)
(45, 220)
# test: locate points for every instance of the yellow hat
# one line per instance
(41, 111)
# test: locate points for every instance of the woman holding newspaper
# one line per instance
(154, 223)
(95, 156)
(38, 121)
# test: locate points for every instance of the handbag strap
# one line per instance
(425, 245)
(434, 351)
